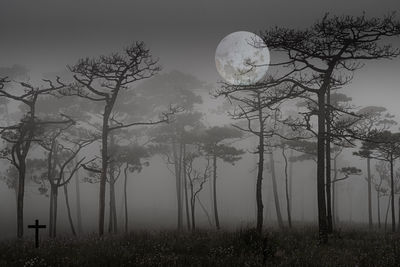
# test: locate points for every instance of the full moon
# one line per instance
(239, 61)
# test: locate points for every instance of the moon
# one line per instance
(239, 61)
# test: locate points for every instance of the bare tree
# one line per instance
(20, 136)
(101, 80)
(325, 51)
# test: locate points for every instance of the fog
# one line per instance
(39, 39)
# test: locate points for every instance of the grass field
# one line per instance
(207, 248)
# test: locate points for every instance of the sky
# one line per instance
(47, 35)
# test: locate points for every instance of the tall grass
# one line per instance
(209, 248)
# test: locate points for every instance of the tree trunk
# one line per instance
(328, 166)
(379, 209)
(290, 181)
(322, 219)
(387, 212)
(192, 207)
(205, 211)
(104, 166)
(275, 190)
(287, 188)
(398, 224)
(215, 191)
(51, 211)
(334, 195)
(20, 198)
(178, 185)
(259, 200)
(126, 196)
(78, 201)
(369, 194)
(392, 193)
(113, 214)
(71, 223)
(185, 187)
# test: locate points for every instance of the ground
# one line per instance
(244, 247)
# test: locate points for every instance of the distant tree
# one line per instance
(374, 118)
(101, 80)
(169, 141)
(196, 178)
(387, 148)
(214, 144)
(382, 168)
(132, 156)
(62, 145)
(255, 106)
(20, 136)
(327, 50)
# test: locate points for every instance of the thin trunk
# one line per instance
(322, 219)
(192, 207)
(205, 211)
(392, 193)
(290, 181)
(126, 196)
(398, 225)
(112, 228)
(71, 223)
(104, 166)
(335, 193)
(78, 201)
(369, 194)
(193, 214)
(334, 196)
(55, 205)
(215, 191)
(387, 212)
(20, 199)
(287, 188)
(259, 201)
(178, 185)
(275, 190)
(379, 210)
(328, 166)
(51, 211)
(113, 209)
(185, 187)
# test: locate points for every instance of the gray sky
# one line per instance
(46, 35)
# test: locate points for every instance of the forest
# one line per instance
(295, 137)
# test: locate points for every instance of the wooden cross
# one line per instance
(36, 226)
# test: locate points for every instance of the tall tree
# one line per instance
(374, 118)
(328, 49)
(21, 136)
(101, 80)
(387, 148)
(213, 144)
(62, 145)
(382, 168)
(256, 106)
(170, 142)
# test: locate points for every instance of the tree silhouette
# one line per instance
(20, 136)
(213, 144)
(387, 148)
(330, 48)
(101, 80)
(373, 119)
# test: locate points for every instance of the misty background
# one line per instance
(46, 36)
